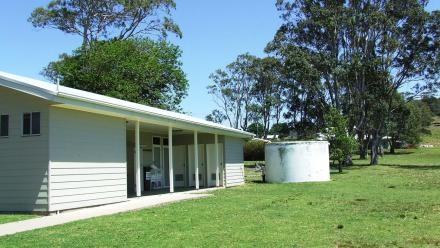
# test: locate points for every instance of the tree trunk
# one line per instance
(363, 149)
(375, 150)
(393, 144)
(363, 152)
(340, 167)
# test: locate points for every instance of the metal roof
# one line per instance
(65, 95)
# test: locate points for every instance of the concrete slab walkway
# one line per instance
(86, 213)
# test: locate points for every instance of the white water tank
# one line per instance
(297, 161)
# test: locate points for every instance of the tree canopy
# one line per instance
(347, 57)
(138, 70)
(110, 19)
(354, 55)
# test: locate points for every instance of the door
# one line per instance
(211, 164)
(179, 164)
(158, 166)
(166, 166)
(192, 167)
(146, 161)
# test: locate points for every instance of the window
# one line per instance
(165, 141)
(4, 125)
(156, 140)
(31, 123)
(36, 123)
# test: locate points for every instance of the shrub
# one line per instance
(254, 150)
(342, 144)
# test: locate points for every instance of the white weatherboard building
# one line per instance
(62, 148)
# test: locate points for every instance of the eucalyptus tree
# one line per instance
(216, 116)
(404, 43)
(231, 89)
(266, 74)
(110, 19)
(361, 53)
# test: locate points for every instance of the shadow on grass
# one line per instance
(334, 169)
(338, 173)
(399, 153)
(257, 181)
(414, 167)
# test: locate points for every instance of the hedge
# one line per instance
(254, 150)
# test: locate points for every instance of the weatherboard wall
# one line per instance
(23, 160)
(87, 159)
(234, 161)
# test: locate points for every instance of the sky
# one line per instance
(214, 34)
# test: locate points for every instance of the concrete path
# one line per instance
(86, 213)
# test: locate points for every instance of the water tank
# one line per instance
(297, 161)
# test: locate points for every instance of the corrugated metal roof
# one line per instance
(51, 91)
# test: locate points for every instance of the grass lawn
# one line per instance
(394, 204)
(434, 137)
(5, 218)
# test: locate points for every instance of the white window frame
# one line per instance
(9, 125)
(30, 124)
(161, 147)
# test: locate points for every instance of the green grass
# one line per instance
(396, 204)
(5, 218)
(434, 137)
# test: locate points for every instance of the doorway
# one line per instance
(192, 167)
(211, 164)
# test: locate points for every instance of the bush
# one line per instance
(342, 144)
(254, 150)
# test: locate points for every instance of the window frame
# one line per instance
(9, 125)
(30, 124)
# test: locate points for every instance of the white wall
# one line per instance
(234, 161)
(87, 159)
(23, 160)
(297, 161)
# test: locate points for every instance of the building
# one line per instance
(62, 148)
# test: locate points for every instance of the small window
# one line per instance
(165, 141)
(31, 123)
(213, 176)
(4, 125)
(156, 140)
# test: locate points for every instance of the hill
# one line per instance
(434, 137)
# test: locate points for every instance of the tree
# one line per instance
(407, 122)
(249, 90)
(280, 129)
(433, 103)
(342, 144)
(111, 19)
(216, 116)
(361, 53)
(231, 90)
(139, 70)
(257, 129)
(265, 72)
(302, 95)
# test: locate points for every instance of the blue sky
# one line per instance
(214, 33)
